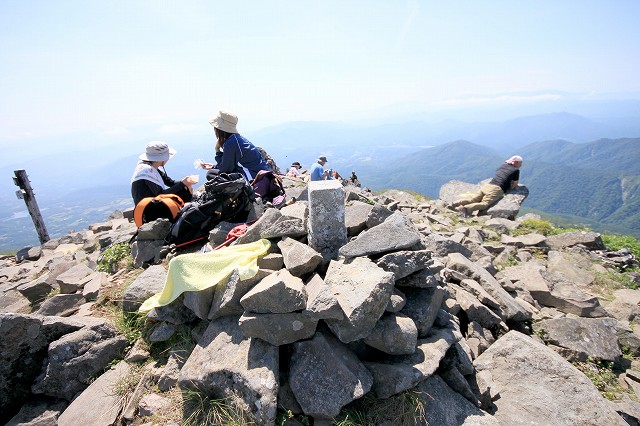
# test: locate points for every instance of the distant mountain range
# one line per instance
(569, 168)
(595, 183)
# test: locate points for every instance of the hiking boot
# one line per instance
(463, 210)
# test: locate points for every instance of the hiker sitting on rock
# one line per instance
(507, 177)
(317, 171)
(149, 180)
(234, 154)
(294, 171)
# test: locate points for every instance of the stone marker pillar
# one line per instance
(327, 231)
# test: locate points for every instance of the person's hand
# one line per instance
(190, 180)
(207, 166)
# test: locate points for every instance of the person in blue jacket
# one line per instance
(234, 153)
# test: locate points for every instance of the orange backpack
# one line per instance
(151, 208)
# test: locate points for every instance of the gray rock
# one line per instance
(152, 403)
(39, 412)
(255, 231)
(422, 306)
(445, 407)
(278, 293)
(173, 313)
(199, 302)
(155, 230)
(169, 376)
(572, 267)
(362, 290)
(405, 263)
(355, 217)
(162, 332)
(325, 375)
(225, 364)
(278, 329)
(526, 240)
(24, 340)
(299, 259)
(299, 209)
(510, 309)
(591, 240)
(395, 233)
(36, 290)
(28, 253)
(148, 283)
(286, 227)
(530, 400)
(76, 358)
(147, 251)
(403, 372)
(578, 339)
(624, 307)
(476, 289)
(378, 215)
(394, 334)
(226, 300)
(397, 301)
(424, 278)
(73, 279)
(478, 312)
(272, 261)
(94, 283)
(441, 246)
(321, 302)
(98, 398)
(61, 305)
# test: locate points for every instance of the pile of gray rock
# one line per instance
(359, 294)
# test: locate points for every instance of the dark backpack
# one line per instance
(227, 197)
(268, 186)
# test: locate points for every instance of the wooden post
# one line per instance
(26, 192)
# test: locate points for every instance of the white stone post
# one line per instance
(327, 230)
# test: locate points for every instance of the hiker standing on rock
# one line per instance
(149, 180)
(234, 153)
(507, 177)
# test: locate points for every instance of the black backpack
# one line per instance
(227, 197)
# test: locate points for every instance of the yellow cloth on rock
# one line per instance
(199, 271)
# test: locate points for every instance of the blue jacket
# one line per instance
(238, 155)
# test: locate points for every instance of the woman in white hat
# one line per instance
(149, 180)
(234, 153)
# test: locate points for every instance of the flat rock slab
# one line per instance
(523, 378)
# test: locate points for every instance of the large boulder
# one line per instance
(363, 291)
(225, 364)
(148, 283)
(325, 375)
(537, 396)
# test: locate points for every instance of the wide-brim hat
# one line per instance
(157, 151)
(323, 159)
(225, 121)
(295, 164)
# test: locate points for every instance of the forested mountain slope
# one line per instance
(597, 181)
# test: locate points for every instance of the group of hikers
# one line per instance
(236, 154)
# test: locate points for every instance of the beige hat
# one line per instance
(225, 121)
(157, 151)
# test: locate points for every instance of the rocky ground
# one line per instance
(408, 313)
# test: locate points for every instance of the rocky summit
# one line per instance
(386, 309)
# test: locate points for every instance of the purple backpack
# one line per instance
(268, 186)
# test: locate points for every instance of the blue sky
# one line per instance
(105, 67)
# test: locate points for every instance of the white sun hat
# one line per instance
(157, 151)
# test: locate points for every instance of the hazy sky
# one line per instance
(106, 66)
